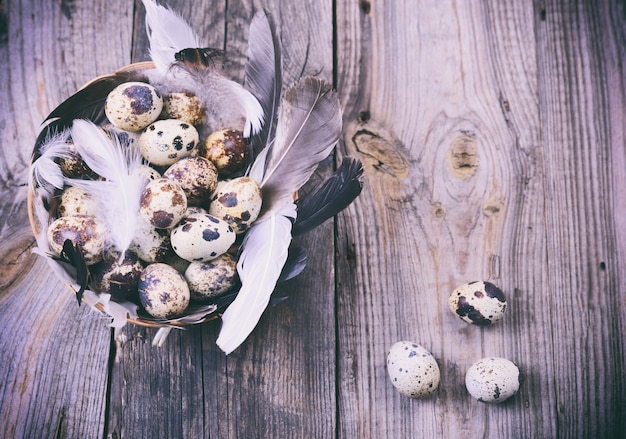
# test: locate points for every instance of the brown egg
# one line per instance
(228, 150)
(197, 176)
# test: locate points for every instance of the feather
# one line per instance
(86, 103)
(309, 126)
(45, 172)
(331, 197)
(296, 262)
(265, 250)
(120, 191)
(263, 75)
(168, 33)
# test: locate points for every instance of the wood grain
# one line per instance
(493, 140)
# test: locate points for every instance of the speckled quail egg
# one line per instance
(238, 202)
(201, 237)
(212, 278)
(480, 303)
(183, 106)
(163, 203)
(86, 231)
(77, 201)
(412, 369)
(126, 138)
(148, 172)
(492, 380)
(117, 276)
(196, 175)
(163, 291)
(151, 244)
(166, 141)
(73, 166)
(132, 106)
(228, 150)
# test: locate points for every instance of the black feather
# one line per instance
(73, 256)
(329, 198)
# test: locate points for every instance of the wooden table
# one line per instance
(493, 139)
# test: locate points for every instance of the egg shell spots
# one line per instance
(76, 201)
(83, 230)
(479, 303)
(163, 291)
(73, 166)
(151, 244)
(412, 370)
(212, 278)
(163, 203)
(197, 176)
(492, 380)
(183, 106)
(201, 238)
(238, 202)
(164, 142)
(117, 276)
(133, 106)
(228, 149)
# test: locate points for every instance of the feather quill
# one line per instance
(309, 126)
(120, 192)
(265, 250)
(263, 75)
(168, 33)
(331, 197)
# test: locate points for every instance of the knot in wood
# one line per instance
(463, 155)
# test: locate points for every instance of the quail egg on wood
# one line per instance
(479, 303)
(163, 203)
(163, 291)
(85, 231)
(201, 237)
(166, 141)
(412, 369)
(492, 380)
(212, 278)
(133, 106)
(197, 176)
(77, 201)
(238, 202)
(228, 149)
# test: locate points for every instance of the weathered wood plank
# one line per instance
(54, 354)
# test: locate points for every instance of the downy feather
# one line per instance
(265, 250)
(309, 126)
(263, 75)
(168, 33)
(120, 192)
(45, 172)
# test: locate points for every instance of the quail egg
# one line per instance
(183, 106)
(150, 244)
(228, 150)
(73, 166)
(212, 278)
(492, 380)
(238, 202)
(163, 203)
(133, 106)
(83, 230)
(480, 303)
(197, 176)
(76, 201)
(163, 291)
(118, 276)
(412, 370)
(201, 237)
(166, 141)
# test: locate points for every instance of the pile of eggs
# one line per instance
(195, 205)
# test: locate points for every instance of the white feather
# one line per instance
(264, 253)
(168, 33)
(45, 172)
(119, 193)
